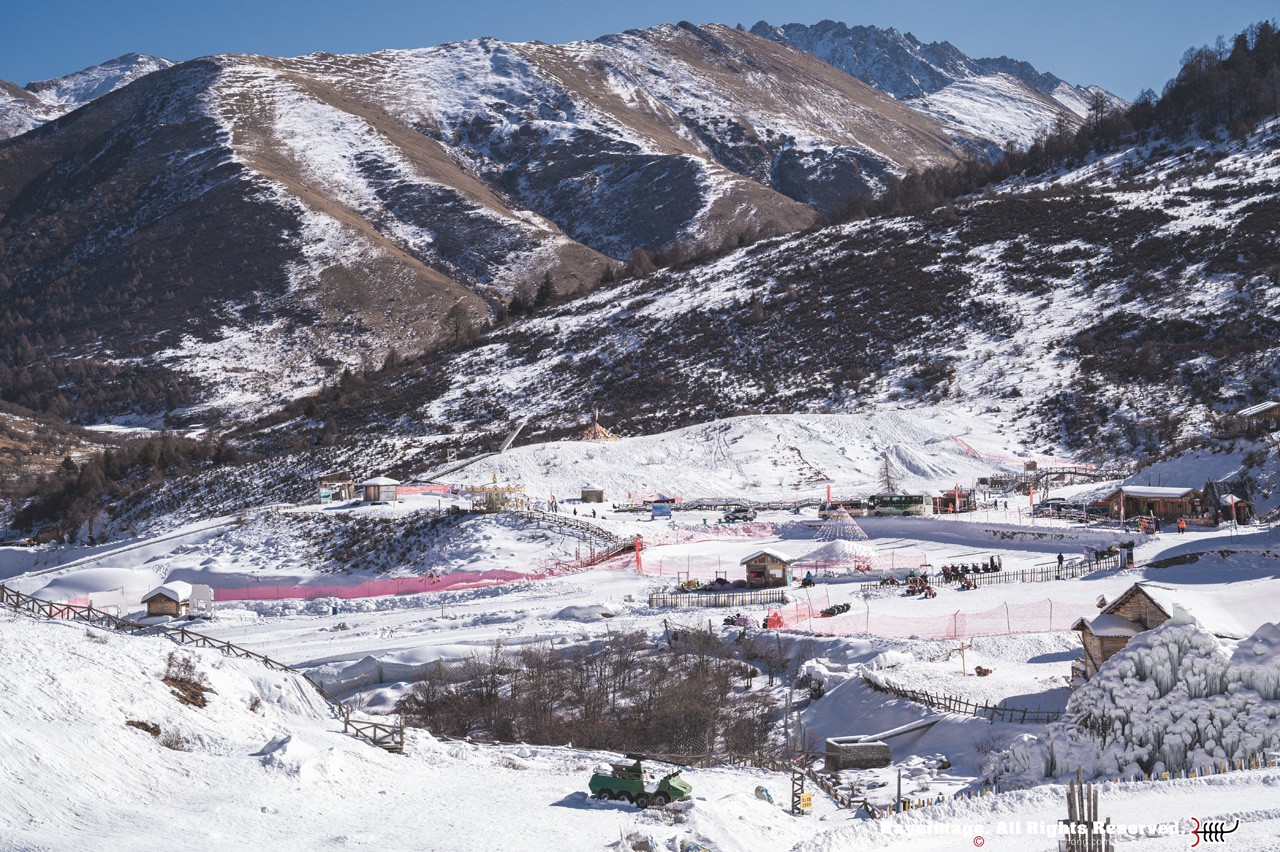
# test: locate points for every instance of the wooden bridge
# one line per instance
(1023, 481)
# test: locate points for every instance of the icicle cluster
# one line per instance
(1174, 700)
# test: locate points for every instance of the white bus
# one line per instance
(901, 504)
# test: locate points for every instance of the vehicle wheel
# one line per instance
(661, 799)
(622, 796)
(604, 795)
(642, 800)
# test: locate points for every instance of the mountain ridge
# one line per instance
(920, 74)
(24, 108)
(322, 211)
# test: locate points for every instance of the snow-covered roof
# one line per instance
(1260, 408)
(1109, 624)
(1156, 492)
(177, 590)
(767, 552)
(379, 480)
(1229, 610)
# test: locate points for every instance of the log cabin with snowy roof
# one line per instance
(1145, 606)
(380, 489)
(767, 569)
(172, 599)
(1163, 502)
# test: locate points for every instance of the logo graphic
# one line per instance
(1211, 832)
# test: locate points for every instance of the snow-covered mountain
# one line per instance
(270, 221)
(1128, 303)
(22, 109)
(1001, 99)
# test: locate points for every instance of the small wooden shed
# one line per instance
(1260, 419)
(592, 494)
(767, 569)
(1227, 501)
(336, 487)
(380, 489)
(1146, 606)
(173, 599)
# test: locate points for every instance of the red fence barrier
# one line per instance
(1035, 617)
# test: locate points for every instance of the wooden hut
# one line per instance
(1166, 503)
(767, 569)
(336, 488)
(1260, 419)
(173, 599)
(1146, 606)
(592, 494)
(380, 489)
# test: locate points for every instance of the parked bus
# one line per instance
(855, 508)
(901, 504)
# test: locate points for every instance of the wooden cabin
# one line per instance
(767, 569)
(592, 494)
(1146, 606)
(380, 489)
(1166, 503)
(172, 599)
(336, 488)
(1260, 419)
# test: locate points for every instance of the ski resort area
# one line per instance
(904, 670)
(536, 427)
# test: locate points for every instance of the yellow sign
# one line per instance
(806, 801)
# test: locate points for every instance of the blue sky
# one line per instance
(1124, 46)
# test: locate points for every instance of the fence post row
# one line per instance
(955, 704)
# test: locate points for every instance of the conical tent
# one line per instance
(838, 554)
(596, 432)
(841, 527)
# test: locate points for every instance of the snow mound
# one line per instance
(837, 552)
(585, 612)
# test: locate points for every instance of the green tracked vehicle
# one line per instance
(629, 782)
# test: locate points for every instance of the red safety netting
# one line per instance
(1034, 617)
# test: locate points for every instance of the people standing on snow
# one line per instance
(1182, 525)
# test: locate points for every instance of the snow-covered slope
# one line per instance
(783, 457)
(22, 109)
(317, 212)
(996, 107)
(998, 100)
(1089, 314)
(265, 765)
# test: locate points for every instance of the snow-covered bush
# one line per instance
(1175, 699)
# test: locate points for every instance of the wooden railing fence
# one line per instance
(965, 707)
(1071, 570)
(717, 599)
(389, 737)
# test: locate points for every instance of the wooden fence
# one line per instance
(965, 707)
(746, 597)
(389, 737)
(1071, 570)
